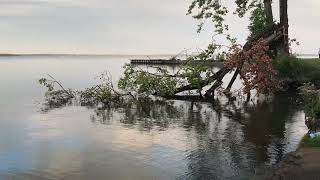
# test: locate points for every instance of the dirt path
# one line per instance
(301, 165)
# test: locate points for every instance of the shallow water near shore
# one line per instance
(155, 140)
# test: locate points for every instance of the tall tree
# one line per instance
(216, 10)
(284, 21)
(268, 11)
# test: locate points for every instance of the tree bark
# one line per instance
(233, 79)
(210, 92)
(268, 11)
(284, 21)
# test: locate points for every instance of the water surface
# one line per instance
(152, 140)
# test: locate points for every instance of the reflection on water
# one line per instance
(145, 140)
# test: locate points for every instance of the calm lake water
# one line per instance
(154, 140)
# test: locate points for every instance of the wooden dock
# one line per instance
(172, 62)
(157, 61)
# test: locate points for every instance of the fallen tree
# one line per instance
(252, 61)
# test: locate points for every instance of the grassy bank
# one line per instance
(299, 70)
(310, 142)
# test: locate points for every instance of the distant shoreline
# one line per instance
(128, 55)
(7, 55)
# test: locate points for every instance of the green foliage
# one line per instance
(311, 97)
(300, 70)
(193, 74)
(258, 21)
(243, 6)
(215, 10)
(47, 83)
(101, 93)
(55, 98)
(209, 9)
(287, 66)
(220, 57)
(313, 142)
(145, 83)
(98, 94)
(162, 83)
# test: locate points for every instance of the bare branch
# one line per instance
(60, 85)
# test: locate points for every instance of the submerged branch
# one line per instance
(55, 81)
(217, 76)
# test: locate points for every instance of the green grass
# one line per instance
(301, 70)
(307, 141)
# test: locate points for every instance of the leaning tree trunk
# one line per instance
(273, 35)
(285, 24)
(270, 23)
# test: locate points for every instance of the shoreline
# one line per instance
(304, 163)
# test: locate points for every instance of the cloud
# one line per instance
(126, 25)
(21, 2)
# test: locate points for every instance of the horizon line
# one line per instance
(79, 54)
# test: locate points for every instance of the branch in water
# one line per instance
(55, 81)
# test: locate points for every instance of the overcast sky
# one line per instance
(126, 26)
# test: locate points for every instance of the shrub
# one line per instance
(300, 70)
